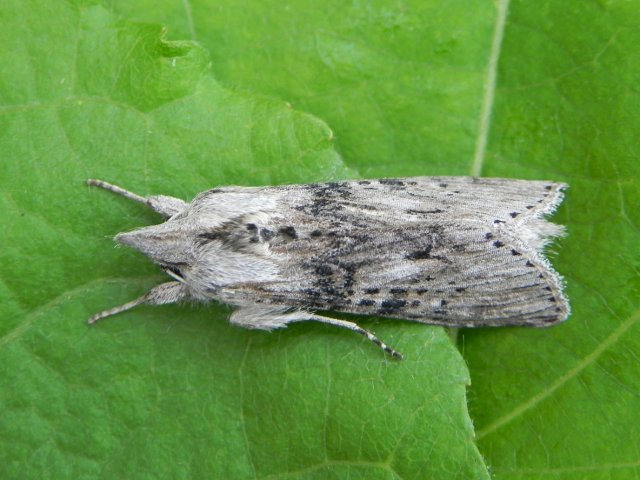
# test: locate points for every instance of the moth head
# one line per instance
(164, 244)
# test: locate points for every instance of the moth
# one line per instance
(452, 251)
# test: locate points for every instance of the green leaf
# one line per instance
(176, 392)
(402, 83)
(544, 89)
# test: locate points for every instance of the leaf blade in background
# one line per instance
(402, 83)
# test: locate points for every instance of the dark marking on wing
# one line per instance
(425, 254)
(391, 306)
(398, 291)
(212, 235)
(267, 234)
(424, 212)
(324, 270)
(420, 254)
(288, 231)
(391, 181)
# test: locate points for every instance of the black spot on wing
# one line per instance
(420, 254)
(425, 254)
(267, 234)
(398, 291)
(288, 231)
(391, 181)
(390, 306)
(324, 270)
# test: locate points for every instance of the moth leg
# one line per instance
(269, 319)
(170, 292)
(163, 204)
(354, 327)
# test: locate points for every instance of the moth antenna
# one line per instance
(116, 310)
(116, 189)
(163, 204)
(169, 292)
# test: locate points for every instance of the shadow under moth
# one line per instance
(452, 251)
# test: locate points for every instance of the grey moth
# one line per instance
(452, 251)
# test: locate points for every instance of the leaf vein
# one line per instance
(561, 381)
(489, 89)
